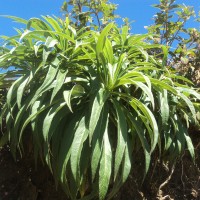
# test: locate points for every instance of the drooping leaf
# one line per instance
(76, 91)
(97, 106)
(97, 141)
(77, 146)
(105, 168)
(150, 119)
(20, 90)
(49, 123)
(164, 107)
(59, 82)
(121, 137)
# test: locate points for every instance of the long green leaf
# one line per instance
(72, 129)
(121, 137)
(43, 32)
(189, 104)
(189, 145)
(49, 123)
(102, 39)
(47, 82)
(12, 92)
(76, 149)
(60, 78)
(49, 44)
(97, 141)
(137, 126)
(97, 107)
(150, 119)
(105, 166)
(76, 91)
(20, 90)
(164, 106)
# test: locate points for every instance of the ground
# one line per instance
(20, 180)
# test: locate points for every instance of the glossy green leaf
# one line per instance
(105, 168)
(49, 123)
(150, 119)
(97, 107)
(97, 141)
(77, 146)
(164, 107)
(20, 90)
(60, 78)
(121, 137)
(76, 90)
(102, 39)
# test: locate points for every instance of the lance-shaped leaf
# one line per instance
(164, 106)
(76, 91)
(51, 121)
(97, 141)
(49, 44)
(60, 78)
(121, 136)
(20, 90)
(72, 128)
(102, 39)
(105, 166)
(97, 106)
(150, 119)
(76, 149)
(136, 124)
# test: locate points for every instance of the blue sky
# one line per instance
(139, 10)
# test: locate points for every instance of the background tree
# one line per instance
(183, 43)
(94, 13)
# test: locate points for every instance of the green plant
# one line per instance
(91, 100)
